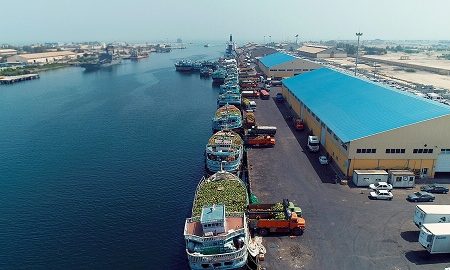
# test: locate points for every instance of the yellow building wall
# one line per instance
(432, 134)
(338, 154)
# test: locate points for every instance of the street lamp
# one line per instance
(270, 39)
(264, 40)
(296, 39)
(357, 52)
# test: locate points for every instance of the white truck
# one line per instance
(313, 143)
(435, 237)
(425, 214)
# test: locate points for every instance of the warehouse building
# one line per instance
(281, 65)
(42, 58)
(364, 125)
(7, 52)
(320, 51)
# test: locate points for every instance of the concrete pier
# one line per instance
(18, 78)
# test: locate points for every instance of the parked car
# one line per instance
(420, 196)
(380, 185)
(381, 195)
(434, 188)
(323, 160)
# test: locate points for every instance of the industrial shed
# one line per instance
(320, 51)
(281, 65)
(42, 58)
(364, 125)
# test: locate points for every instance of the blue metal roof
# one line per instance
(276, 59)
(354, 108)
(212, 213)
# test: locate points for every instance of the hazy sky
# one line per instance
(151, 20)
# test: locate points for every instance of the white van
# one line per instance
(313, 143)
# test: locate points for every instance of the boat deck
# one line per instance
(233, 223)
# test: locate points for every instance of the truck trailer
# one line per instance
(425, 214)
(282, 217)
(261, 140)
(262, 130)
(435, 237)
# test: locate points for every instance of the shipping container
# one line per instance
(363, 178)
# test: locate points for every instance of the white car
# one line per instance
(381, 195)
(323, 160)
(380, 185)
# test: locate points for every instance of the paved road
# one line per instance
(345, 230)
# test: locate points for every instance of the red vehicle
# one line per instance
(298, 124)
(261, 141)
(264, 94)
(267, 218)
(250, 94)
(248, 85)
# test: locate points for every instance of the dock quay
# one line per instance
(18, 78)
(344, 229)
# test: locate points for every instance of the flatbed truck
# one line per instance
(261, 140)
(262, 130)
(276, 218)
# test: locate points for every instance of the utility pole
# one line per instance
(359, 34)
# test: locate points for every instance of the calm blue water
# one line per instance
(98, 170)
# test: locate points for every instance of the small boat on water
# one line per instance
(184, 66)
(217, 234)
(224, 149)
(227, 117)
(206, 45)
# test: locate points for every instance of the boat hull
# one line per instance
(214, 166)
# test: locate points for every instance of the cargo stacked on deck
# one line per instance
(217, 233)
(227, 117)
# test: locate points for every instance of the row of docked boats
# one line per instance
(217, 235)
(205, 68)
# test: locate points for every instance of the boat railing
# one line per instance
(231, 256)
(223, 237)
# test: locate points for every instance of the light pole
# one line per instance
(264, 40)
(357, 52)
(270, 39)
(296, 39)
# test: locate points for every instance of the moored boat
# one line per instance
(229, 97)
(224, 150)
(184, 66)
(205, 72)
(217, 234)
(227, 117)
(219, 76)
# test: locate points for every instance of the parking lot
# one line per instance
(345, 229)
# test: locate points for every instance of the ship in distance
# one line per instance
(105, 59)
